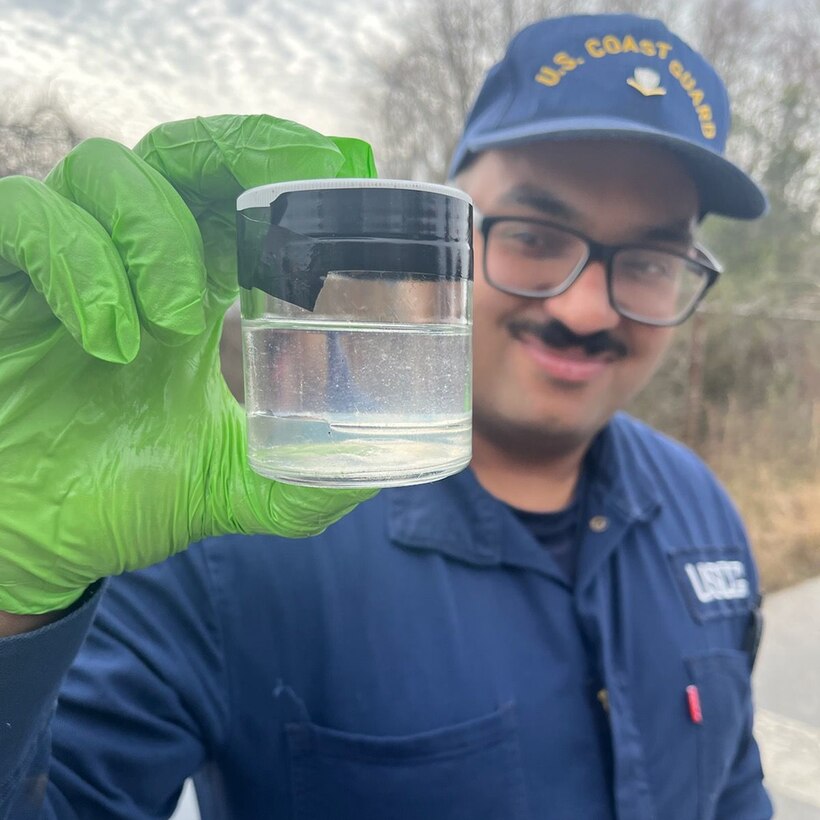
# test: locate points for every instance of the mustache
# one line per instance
(557, 335)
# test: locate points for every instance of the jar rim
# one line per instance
(262, 195)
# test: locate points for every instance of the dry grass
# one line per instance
(771, 466)
(782, 515)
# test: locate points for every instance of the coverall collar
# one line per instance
(459, 518)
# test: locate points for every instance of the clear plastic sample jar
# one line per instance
(356, 298)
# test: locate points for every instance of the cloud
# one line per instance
(124, 65)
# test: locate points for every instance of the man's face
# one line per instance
(537, 386)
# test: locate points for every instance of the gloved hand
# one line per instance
(120, 443)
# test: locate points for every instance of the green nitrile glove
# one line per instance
(119, 441)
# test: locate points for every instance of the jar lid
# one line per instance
(291, 235)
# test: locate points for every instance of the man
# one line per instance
(566, 630)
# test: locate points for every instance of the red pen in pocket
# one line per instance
(693, 701)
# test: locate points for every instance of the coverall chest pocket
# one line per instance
(722, 680)
(467, 771)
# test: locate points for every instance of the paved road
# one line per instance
(787, 689)
(187, 807)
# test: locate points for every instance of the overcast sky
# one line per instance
(125, 65)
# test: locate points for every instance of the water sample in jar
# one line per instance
(356, 320)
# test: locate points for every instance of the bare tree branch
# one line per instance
(422, 91)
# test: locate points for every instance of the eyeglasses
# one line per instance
(538, 259)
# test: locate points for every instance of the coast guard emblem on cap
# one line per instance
(647, 81)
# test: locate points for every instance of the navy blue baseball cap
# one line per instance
(612, 76)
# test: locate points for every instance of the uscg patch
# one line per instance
(713, 581)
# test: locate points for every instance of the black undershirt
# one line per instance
(558, 532)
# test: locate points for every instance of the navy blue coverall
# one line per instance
(424, 659)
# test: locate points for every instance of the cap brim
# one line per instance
(723, 188)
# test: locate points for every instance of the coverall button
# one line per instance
(598, 523)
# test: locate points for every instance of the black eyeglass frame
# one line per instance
(599, 252)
